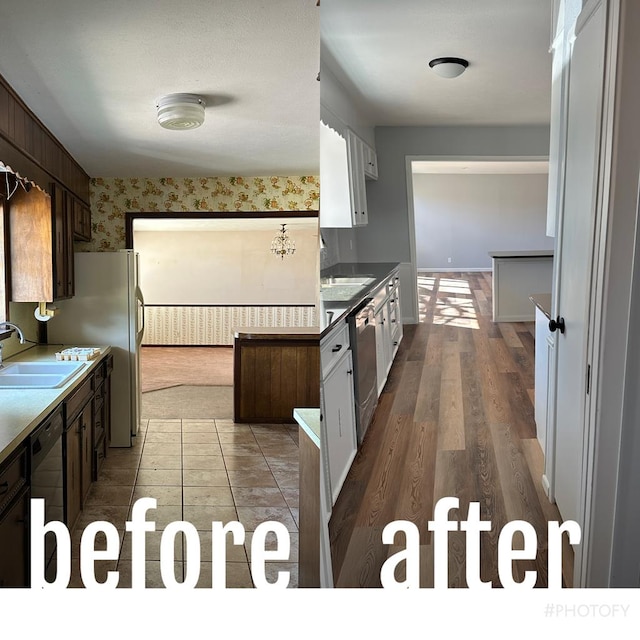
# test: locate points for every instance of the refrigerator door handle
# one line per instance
(140, 311)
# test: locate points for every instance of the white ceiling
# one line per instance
(91, 70)
(381, 50)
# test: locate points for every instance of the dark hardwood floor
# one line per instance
(455, 419)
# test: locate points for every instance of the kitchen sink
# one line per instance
(38, 375)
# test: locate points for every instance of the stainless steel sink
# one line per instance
(38, 375)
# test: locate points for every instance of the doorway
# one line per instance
(202, 276)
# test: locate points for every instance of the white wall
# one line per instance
(227, 267)
(463, 217)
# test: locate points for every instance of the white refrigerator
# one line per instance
(108, 309)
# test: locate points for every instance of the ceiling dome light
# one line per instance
(448, 67)
(180, 111)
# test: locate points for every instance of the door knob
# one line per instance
(558, 323)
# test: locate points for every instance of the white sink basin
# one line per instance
(38, 375)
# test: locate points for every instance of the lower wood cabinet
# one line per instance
(14, 511)
(273, 375)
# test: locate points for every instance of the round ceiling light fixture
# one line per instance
(180, 111)
(448, 67)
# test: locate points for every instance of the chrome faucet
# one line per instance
(10, 325)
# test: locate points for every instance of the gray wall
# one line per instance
(464, 216)
(386, 237)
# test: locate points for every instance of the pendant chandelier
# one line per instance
(282, 245)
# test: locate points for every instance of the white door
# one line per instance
(575, 257)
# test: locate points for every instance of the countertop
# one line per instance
(535, 253)
(331, 313)
(543, 302)
(21, 410)
(276, 333)
(309, 420)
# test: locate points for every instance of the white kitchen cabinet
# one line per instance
(355, 147)
(338, 408)
(370, 162)
(544, 345)
(383, 339)
(388, 322)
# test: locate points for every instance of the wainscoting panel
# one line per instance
(177, 325)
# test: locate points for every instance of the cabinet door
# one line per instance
(356, 179)
(14, 543)
(340, 423)
(73, 471)
(370, 162)
(381, 347)
(86, 444)
(60, 263)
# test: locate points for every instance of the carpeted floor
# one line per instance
(188, 402)
(163, 367)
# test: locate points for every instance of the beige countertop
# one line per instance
(21, 410)
(276, 333)
(309, 420)
(543, 302)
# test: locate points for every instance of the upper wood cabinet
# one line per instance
(30, 148)
(41, 246)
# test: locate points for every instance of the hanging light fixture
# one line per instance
(448, 67)
(282, 245)
(180, 111)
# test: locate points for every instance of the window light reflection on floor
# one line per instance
(456, 310)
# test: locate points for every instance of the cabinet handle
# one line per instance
(392, 321)
(349, 371)
(336, 348)
(4, 487)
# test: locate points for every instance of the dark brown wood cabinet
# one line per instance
(14, 509)
(81, 220)
(274, 373)
(62, 217)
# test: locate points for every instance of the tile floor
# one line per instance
(199, 471)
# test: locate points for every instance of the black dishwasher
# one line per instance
(47, 478)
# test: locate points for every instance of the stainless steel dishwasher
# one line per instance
(47, 479)
(362, 337)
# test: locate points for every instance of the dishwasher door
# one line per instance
(363, 345)
(47, 479)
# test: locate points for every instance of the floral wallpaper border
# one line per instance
(111, 198)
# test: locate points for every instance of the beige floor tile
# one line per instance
(200, 437)
(153, 575)
(116, 515)
(251, 517)
(280, 450)
(295, 512)
(233, 552)
(192, 449)
(241, 449)
(286, 479)
(198, 426)
(246, 463)
(102, 493)
(122, 458)
(166, 477)
(203, 462)
(270, 543)
(165, 496)
(99, 542)
(212, 496)
(238, 575)
(258, 497)
(241, 478)
(117, 475)
(205, 478)
(162, 436)
(202, 516)
(100, 570)
(163, 448)
(150, 461)
(163, 515)
(167, 426)
(230, 425)
(292, 496)
(237, 437)
(153, 541)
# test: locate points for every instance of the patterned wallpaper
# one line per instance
(111, 198)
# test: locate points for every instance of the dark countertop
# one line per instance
(534, 253)
(543, 302)
(276, 333)
(331, 312)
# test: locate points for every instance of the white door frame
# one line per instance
(411, 209)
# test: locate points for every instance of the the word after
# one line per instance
(473, 526)
(138, 526)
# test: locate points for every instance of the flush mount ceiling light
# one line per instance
(282, 245)
(448, 67)
(179, 111)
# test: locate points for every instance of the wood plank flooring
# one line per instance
(455, 419)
